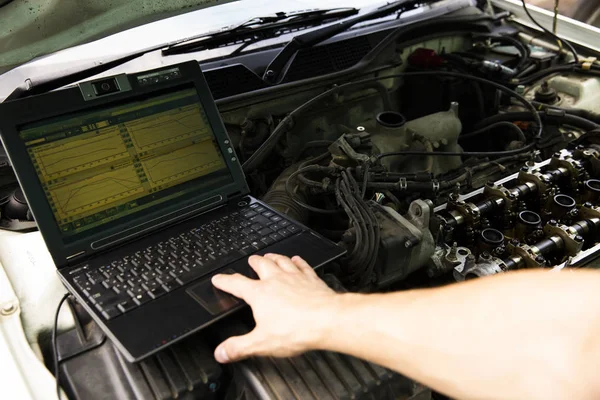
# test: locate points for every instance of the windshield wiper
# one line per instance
(275, 72)
(259, 28)
(51, 82)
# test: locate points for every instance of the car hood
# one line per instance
(33, 28)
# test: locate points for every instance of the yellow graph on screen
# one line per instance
(165, 128)
(96, 191)
(75, 155)
(198, 158)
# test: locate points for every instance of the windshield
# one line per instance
(161, 32)
(190, 25)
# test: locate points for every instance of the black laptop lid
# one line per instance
(119, 157)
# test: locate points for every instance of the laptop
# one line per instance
(141, 199)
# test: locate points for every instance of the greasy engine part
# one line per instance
(406, 241)
(278, 198)
(390, 132)
(548, 216)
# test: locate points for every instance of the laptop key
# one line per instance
(106, 300)
(94, 290)
(259, 219)
(126, 305)
(141, 298)
(276, 237)
(156, 292)
(284, 232)
(267, 240)
(111, 313)
(170, 286)
(265, 232)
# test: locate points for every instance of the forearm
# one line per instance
(524, 335)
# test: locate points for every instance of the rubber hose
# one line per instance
(565, 118)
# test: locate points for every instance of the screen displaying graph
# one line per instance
(101, 166)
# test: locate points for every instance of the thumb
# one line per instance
(237, 348)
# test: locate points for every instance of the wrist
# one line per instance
(333, 318)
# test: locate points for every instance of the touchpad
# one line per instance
(215, 301)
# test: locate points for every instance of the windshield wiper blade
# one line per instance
(275, 72)
(259, 28)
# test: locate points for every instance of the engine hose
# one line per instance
(523, 49)
(560, 116)
(279, 199)
(570, 68)
(579, 112)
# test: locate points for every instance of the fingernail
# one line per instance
(215, 278)
(221, 355)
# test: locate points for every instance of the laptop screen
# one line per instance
(106, 164)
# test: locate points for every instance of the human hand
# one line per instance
(292, 307)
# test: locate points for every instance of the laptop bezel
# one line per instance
(17, 113)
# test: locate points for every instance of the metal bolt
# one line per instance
(8, 309)
(360, 128)
(578, 239)
(580, 147)
(514, 242)
(485, 255)
(490, 183)
(552, 222)
(557, 154)
(524, 168)
(539, 259)
(418, 211)
(270, 73)
(588, 204)
(233, 159)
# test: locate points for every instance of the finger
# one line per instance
(263, 267)
(235, 284)
(284, 262)
(238, 347)
(303, 266)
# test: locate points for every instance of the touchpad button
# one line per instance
(215, 301)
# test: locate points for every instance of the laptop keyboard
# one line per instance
(124, 284)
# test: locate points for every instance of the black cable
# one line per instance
(572, 68)
(550, 33)
(453, 154)
(560, 116)
(268, 145)
(506, 124)
(55, 344)
(523, 48)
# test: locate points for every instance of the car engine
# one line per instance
(444, 168)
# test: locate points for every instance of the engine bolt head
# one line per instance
(552, 222)
(588, 204)
(485, 255)
(490, 183)
(580, 147)
(557, 154)
(514, 242)
(524, 168)
(578, 238)
(539, 259)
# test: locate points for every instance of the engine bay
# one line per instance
(446, 167)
